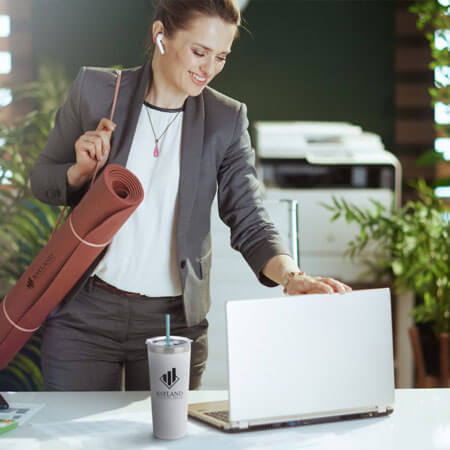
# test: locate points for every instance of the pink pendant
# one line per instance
(156, 151)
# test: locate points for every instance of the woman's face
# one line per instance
(193, 57)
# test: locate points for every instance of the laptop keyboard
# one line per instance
(221, 415)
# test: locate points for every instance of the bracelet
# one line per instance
(288, 277)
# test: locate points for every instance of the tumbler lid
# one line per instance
(178, 344)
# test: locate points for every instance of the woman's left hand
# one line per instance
(305, 284)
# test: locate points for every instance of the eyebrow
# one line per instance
(210, 49)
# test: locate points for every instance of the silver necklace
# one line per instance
(156, 149)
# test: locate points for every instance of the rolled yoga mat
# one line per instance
(68, 254)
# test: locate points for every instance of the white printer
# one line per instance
(311, 162)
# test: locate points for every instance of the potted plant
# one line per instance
(412, 246)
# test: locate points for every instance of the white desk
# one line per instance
(122, 420)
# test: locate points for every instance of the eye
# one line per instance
(197, 53)
(222, 58)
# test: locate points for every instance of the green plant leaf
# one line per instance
(430, 159)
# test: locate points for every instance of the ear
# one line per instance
(157, 28)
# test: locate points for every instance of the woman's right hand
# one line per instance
(90, 148)
(93, 147)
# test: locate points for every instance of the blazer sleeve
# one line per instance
(240, 203)
(48, 177)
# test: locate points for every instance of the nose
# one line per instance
(207, 67)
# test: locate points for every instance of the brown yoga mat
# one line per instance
(68, 254)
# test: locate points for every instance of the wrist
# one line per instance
(288, 276)
(76, 178)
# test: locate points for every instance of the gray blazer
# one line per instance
(216, 156)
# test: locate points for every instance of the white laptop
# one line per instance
(305, 359)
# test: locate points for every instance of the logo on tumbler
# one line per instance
(170, 378)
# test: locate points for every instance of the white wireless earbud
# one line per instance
(159, 44)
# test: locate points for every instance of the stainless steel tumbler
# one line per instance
(169, 368)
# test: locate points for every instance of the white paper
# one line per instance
(20, 412)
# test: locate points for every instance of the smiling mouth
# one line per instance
(198, 80)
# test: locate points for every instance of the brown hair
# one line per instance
(176, 15)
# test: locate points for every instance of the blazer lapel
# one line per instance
(129, 104)
(191, 152)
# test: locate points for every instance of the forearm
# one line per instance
(277, 267)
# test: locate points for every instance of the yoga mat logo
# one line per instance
(170, 378)
(40, 270)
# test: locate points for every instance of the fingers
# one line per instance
(322, 288)
(347, 288)
(106, 124)
(87, 145)
(338, 286)
(102, 142)
(316, 285)
(308, 285)
(94, 146)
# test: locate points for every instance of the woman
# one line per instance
(184, 141)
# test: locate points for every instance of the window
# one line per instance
(5, 26)
(442, 110)
(5, 62)
(5, 69)
(442, 145)
(5, 97)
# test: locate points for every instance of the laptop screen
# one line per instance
(309, 354)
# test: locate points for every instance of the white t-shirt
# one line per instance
(142, 256)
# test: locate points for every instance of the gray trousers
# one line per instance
(91, 339)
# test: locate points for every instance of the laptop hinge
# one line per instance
(241, 424)
(384, 408)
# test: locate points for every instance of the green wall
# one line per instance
(304, 59)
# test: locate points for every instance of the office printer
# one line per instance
(313, 161)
